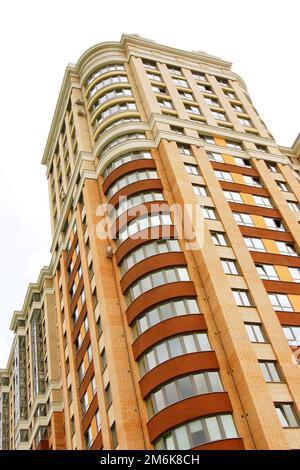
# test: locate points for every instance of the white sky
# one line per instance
(37, 41)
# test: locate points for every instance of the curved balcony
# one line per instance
(151, 264)
(176, 367)
(151, 233)
(167, 328)
(159, 294)
(115, 91)
(139, 164)
(136, 187)
(188, 410)
(109, 103)
(103, 83)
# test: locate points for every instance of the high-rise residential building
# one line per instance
(165, 341)
(31, 407)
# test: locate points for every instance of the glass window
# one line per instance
(287, 415)
(186, 387)
(213, 428)
(176, 347)
(215, 381)
(218, 238)
(201, 384)
(189, 342)
(203, 341)
(171, 393)
(281, 302)
(270, 371)
(241, 298)
(182, 438)
(197, 433)
(162, 352)
(267, 271)
(159, 400)
(229, 427)
(255, 333)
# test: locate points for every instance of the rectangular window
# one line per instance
(208, 213)
(292, 334)
(267, 271)
(207, 139)
(234, 145)
(216, 157)
(293, 206)
(270, 371)
(245, 122)
(108, 395)
(192, 109)
(185, 95)
(262, 201)
(280, 302)
(241, 298)
(274, 224)
(251, 181)
(255, 333)
(223, 175)
(165, 103)
(184, 149)
(180, 82)
(272, 167)
(219, 116)
(287, 415)
(237, 108)
(229, 266)
(295, 273)
(192, 169)
(114, 435)
(219, 239)
(177, 130)
(242, 162)
(103, 359)
(282, 186)
(199, 190)
(261, 148)
(243, 219)
(286, 248)
(233, 196)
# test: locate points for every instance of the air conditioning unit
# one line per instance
(109, 252)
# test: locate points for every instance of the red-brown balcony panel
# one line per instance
(266, 233)
(188, 410)
(90, 414)
(129, 167)
(151, 233)
(134, 188)
(167, 328)
(235, 169)
(272, 258)
(157, 295)
(86, 380)
(281, 287)
(255, 210)
(225, 444)
(150, 264)
(152, 207)
(244, 188)
(98, 442)
(176, 367)
(289, 318)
